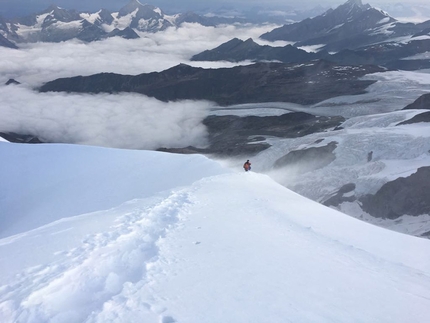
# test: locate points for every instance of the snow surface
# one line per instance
(190, 241)
(91, 17)
(124, 21)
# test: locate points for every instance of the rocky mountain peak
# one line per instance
(352, 8)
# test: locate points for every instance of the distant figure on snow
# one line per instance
(247, 166)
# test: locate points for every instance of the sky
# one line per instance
(14, 8)
(107, 235)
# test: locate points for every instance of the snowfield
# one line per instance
(139, 236)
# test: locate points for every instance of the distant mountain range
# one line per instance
(56, 24)
(355, 33)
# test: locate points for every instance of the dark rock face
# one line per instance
(423, 102)
(126, 33)
(308, 159)
(261, 82)
(341, 196)
(410, 195)
(422, 117)
(12, 81)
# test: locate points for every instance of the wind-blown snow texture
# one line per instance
(153, 237)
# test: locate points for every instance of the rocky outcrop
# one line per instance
(126, 33)
(422, 117)
(306, 160)
(20, 138)
(423, 102)
(261, 82)
(344, 194)
(405, 195)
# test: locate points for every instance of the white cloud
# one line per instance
(122, 120)
(36, 63)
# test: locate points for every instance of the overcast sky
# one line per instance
(22, 7)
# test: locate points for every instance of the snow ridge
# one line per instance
(187, 250)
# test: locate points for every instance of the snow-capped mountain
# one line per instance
(349, 26)
(110, 235)
(57, 24)
(143, 17)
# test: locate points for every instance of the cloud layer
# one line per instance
(121, 120)
(41, 62)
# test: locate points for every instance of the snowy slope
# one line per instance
(190, 241)
(71, 176)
